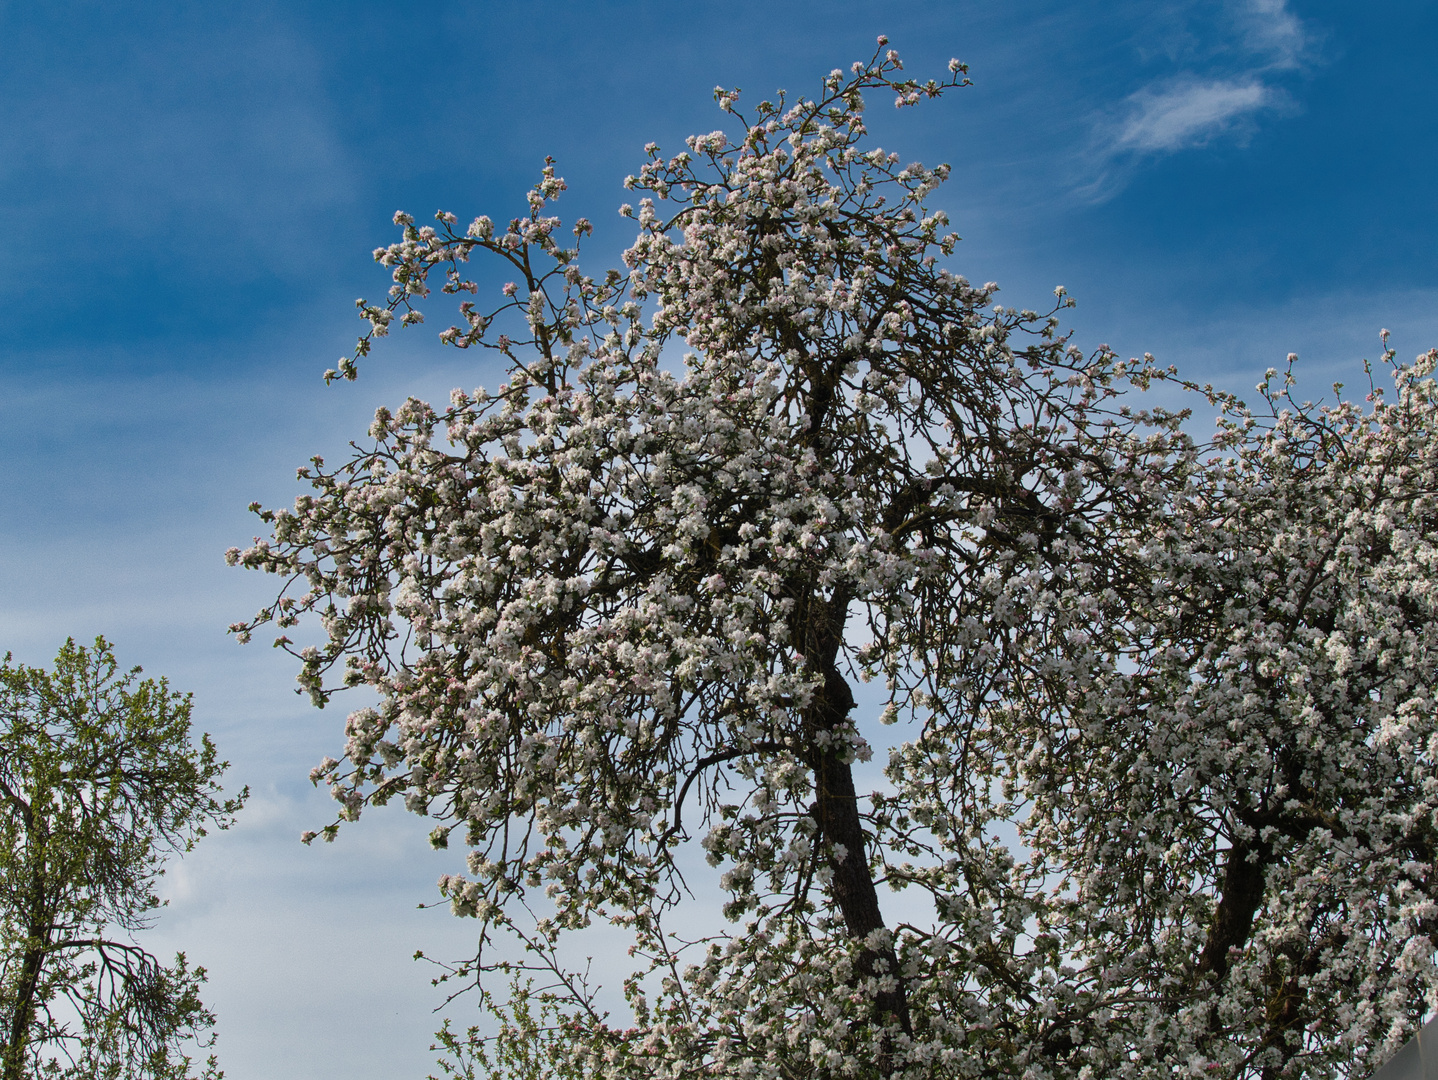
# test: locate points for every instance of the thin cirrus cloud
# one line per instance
(1190, 113)
(213, 138)
(1269, 29)
(1188, 109)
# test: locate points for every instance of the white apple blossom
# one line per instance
(610, 607)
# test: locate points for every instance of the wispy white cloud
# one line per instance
(1189, 112)
(217, 137)
(1223, 93)
(1269, 29)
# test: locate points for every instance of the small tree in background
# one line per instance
(624, 599)
(99, 783)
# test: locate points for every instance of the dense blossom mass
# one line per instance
(1162, 786)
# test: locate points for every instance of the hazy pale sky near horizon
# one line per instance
(189, 194)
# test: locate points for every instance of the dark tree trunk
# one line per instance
(836, 809)
(853, 882)
(23, 1011)
(1243, 880)
(1238, 904)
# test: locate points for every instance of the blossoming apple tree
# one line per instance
(1241, 789)
(622, 603)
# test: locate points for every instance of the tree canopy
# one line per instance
(99, 783)
(1159, 793)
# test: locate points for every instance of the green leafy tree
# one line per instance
(99, 783)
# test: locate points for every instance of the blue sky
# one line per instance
(189, 194)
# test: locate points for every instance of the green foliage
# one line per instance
(534, 1038)
(99, 783)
